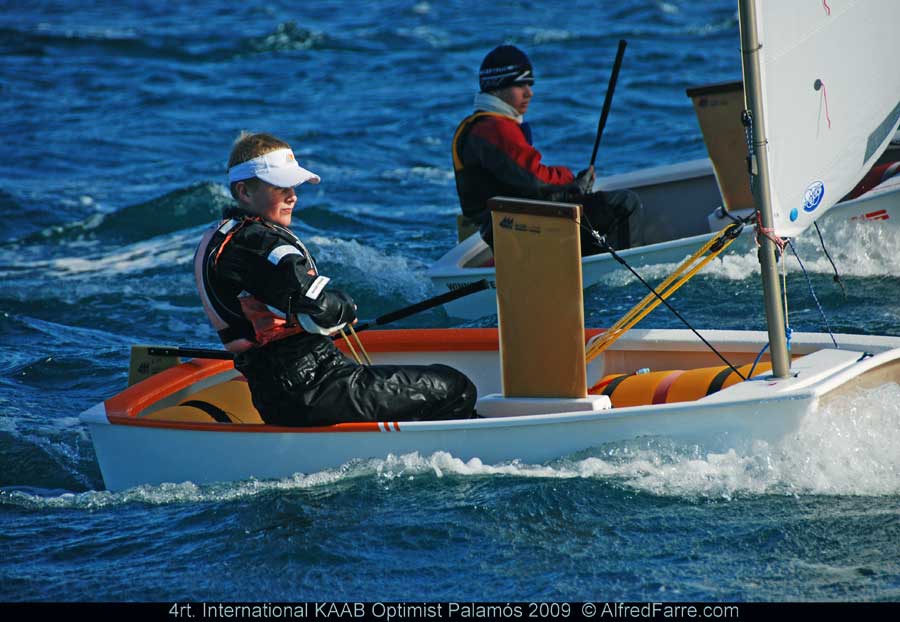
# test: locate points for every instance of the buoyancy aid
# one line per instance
(464, 125)
(241, 320)
(492, 156)
(461, 129)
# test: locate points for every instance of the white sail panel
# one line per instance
(831, 99)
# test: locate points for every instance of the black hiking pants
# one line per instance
(304, 380)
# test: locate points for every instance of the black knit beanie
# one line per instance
(504, 66)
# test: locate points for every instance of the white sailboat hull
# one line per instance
(133, 451)
(134, 456)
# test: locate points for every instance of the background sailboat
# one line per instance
(831, 110)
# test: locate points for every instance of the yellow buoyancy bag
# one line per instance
(666, 387)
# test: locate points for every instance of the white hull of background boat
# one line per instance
(688, 192)
(133, 448)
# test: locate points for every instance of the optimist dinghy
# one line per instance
(685, 205)
(195, 422)
(549, 388)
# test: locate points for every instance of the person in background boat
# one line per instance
(268, 302)
(493, 155)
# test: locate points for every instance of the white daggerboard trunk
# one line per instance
(822, 61)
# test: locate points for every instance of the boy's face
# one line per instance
(517, 96)
(271, 202)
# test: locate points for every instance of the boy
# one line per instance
(493, 155)
(264, 295)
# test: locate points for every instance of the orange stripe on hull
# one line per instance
(366, 426)
(134, 399)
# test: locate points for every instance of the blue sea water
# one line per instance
(117, 120)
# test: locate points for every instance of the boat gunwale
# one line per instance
(138, 398)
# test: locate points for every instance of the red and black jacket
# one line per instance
(492, 157)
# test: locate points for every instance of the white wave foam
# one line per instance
(390, 468)
(169, 494)
(848, 448)
(174, 249)
(288, 36)
(857, 250)
(549, 35)
(82, 201)
(442, 463)
(440, 176)
(396, 275)
(54, 437)
(436, 38)
(166, 250)
(89, 32)
(668, 7)
(862, 250)
(74, 335)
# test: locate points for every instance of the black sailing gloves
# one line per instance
(337, 309)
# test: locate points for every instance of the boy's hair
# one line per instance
(248, 146)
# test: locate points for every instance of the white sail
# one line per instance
(831, 99)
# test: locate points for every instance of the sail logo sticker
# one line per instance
(813, 196)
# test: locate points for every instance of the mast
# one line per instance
(781, 361)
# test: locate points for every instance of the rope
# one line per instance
(837, 276)
(814, 297)
(350, 345)
(784, 298)
(723, 212)
(679, 277)
(787, 333)
(752, 172)
(818, 84)
(362, 348)
(769, 233)
(756, 360)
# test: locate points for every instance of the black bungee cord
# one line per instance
(604, 245)
(837, 275)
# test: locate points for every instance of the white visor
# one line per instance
(278, 168)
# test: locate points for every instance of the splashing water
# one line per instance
(846, 448)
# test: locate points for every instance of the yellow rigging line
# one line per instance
(688, 268)
(350, 345)
(362, 348)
